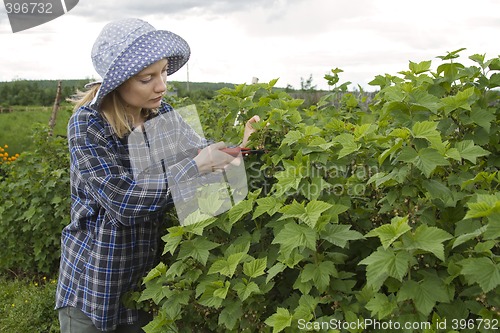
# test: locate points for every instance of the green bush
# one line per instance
(389, 212)
(34, 206)
(28, 306)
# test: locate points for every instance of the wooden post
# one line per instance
(57, 102)
(187, 81)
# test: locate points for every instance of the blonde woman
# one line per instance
(112, 240)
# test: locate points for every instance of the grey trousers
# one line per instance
(73, 320)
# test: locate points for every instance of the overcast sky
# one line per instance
(235, 40)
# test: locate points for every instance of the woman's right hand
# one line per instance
(211, 158)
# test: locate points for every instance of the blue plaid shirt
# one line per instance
(113, 238)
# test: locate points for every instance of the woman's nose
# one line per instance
(161, 85)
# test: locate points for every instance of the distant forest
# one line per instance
(43, 92)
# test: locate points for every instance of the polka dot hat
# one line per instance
(125, 47)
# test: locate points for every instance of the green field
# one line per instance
(16, 127)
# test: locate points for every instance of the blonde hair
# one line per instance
(112, 108)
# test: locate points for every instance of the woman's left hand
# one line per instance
(249, 130)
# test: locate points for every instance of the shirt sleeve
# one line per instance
(105, 173)
(173, 143)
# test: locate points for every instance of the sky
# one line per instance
(234, 41)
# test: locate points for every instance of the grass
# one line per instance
(16, 127)
(27, 305)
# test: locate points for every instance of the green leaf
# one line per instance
(255, 268)
(317, 144)
(493, 227)
(348, 143)
(485, 205)
(421, 67)
(230, 315)
(294, 209)
(319, 273)
(340, 234)
(384, 263)
(426, 159)
(227, 266)
(292, 175)
(494, 80)
(427, 130)
(388, 152)
(315, 187)
(388, 233)
(172, 239)
(424, 294)
(459, 101)
(198, 249)
(483, 118)
(155, 292)
(363, 130)
(291, 138)
(309, 214)
(293, 235)
(245, 290)
(494, 64)
(207, 295)
(176, 269)
(280, 320)
(306, 308)
(238, 211)
(468, 236)
(157, 271)
(482, 271)
(453, 153)
(469, 151)
(381, 306)
(478, 58)
(394, 93)
(314, 209)
(222, 291)
(196, 222)
(209, 202)
(174, 301)
(275, 270)
(439, 191)
(269, 205)
(428, 239)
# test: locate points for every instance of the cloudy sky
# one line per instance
(235, 40)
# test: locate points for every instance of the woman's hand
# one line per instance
(211, 158)
(249, 130)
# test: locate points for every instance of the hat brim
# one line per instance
(144, 51)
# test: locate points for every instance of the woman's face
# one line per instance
(146, 88)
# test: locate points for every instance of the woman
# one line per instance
(113, 238)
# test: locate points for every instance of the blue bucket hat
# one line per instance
(125, 47)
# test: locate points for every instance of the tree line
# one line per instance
(43, 92)
(33, 92)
